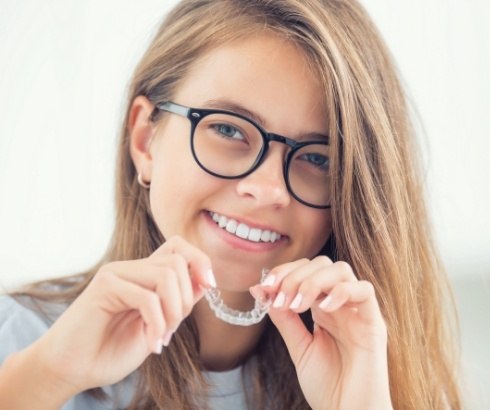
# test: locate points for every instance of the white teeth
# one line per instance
(243, 230)
(266, 236)
(231, 226)
(223, 220)
(254, 235)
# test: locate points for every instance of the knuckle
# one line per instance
(323, 259)
(104, 276)
(175, 240)
(345, 270)
(368, 287)
(170, 245)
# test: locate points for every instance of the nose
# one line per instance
(266, 185)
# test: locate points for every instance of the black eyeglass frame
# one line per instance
(195, 115)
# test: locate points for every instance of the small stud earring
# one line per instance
(144, 184)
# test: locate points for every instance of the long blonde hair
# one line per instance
(380, 223)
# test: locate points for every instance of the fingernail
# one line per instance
(166, 338)
(210, 278)
(158, 346)
(296, 301)
(325, 302)
(279, 301)
(269, 280)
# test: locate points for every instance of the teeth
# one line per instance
(266, 236)
(254, 235)
(231, 226)
(243, 230)
(223, 220)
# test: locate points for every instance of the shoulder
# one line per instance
(21, 323)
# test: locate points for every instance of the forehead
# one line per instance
(266, 74)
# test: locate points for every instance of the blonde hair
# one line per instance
(380, 223)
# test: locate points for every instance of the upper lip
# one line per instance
(250, 223)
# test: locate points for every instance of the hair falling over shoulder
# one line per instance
(381, 225)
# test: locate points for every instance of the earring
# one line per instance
(144, 184)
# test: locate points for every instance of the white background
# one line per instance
(64, 67)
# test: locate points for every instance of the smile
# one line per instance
(244, 231)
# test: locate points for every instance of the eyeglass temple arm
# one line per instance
(174, 108)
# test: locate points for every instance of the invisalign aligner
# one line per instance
(237, 317)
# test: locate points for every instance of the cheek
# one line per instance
(179, 192)
(163, 209)
(317, 229)
(170, 175)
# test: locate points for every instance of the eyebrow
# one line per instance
(228, 105)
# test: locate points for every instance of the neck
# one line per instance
(225, 346)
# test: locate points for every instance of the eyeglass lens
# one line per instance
(230, 146)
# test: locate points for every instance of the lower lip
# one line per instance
(243, 244)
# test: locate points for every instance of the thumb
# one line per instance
(293, 331)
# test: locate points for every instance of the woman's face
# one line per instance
(269, 78)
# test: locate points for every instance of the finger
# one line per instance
(271, 284)
(170, 294)
(305, 287)
(120, 295)
(176, 269)
(301, 287)
(293, 331)
(190, 294)
(360, 294)
(153, 274)
(169, 278)
(198, 262)
(278, 273)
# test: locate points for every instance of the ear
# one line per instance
(141, 130)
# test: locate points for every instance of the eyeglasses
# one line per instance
(229, 145)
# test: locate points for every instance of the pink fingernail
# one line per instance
(325, 302)
(279, 301)
(296, 301)
(210, 278)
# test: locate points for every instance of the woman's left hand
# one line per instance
(343, 363)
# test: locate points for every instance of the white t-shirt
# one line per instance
(20, 327)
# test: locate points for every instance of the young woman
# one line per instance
(260, 134)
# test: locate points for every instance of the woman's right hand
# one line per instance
(129, 310)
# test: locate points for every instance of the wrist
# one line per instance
(27, 382)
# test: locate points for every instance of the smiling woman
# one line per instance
(259, 134)
(258, 196)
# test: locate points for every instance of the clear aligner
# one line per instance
(237, 317)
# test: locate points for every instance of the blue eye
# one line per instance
(318, 160)
(228, 131)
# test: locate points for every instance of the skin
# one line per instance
(131, 308)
